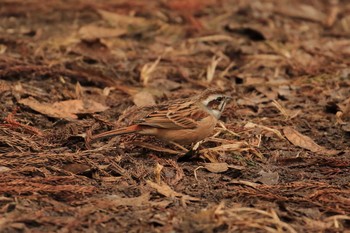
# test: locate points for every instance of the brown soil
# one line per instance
(71, 67)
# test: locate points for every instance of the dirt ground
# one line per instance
(279, 162)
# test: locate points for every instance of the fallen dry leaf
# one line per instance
(147, 70)
(115, 200)
(64, 109)
(76, 168)
(143, 98)
(251, 125)
(302, 11)
(305, 142)
(269, 178)
(165, 190)
(132, 201)
(288, 114)
(245, 182)
(4, 169)
(216, 167)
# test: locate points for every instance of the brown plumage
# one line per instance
(182, 121)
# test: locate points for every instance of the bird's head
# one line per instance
(214, 101)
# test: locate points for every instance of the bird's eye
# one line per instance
(219, 98)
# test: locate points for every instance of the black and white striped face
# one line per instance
(216, 104)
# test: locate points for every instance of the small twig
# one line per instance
(259, 140)
(286, 113)
(244, 182)
(147, 70)
(195, 172)
(157, 171)
(212, 67)
(227, 130)
(225, 72)
(179, 146)
(251, 125)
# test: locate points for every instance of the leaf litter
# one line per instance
(305, 142)
(68, 68)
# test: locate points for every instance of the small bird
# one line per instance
(182, 121)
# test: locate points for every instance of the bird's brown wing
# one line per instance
(177, 116)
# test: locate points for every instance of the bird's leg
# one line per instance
(223, 127)
(191, 153)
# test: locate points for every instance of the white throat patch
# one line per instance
(216, 113)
